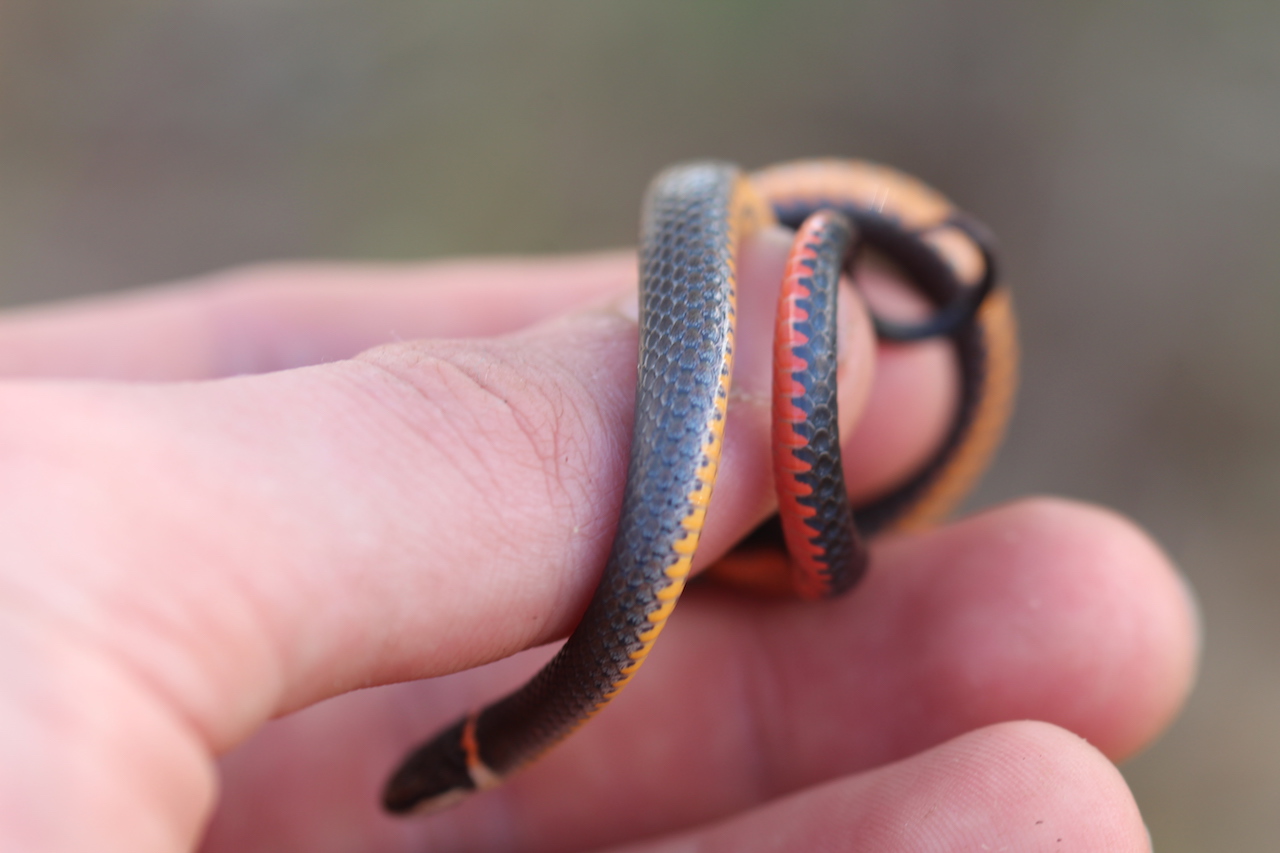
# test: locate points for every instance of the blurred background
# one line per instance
(1127, 153)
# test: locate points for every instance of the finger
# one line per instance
(1018, 786)
(1042, 610)
(376, 517)
(262, 319)
(259, 319)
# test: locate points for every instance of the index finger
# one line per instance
(279, 316)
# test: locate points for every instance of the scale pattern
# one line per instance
(897, 215)
(690, 230)
(827, 555)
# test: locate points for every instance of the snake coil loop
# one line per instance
(695, 218)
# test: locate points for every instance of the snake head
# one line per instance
(439, 774)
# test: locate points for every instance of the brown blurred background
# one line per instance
(1128, 155)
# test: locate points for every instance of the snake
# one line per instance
(694, 220)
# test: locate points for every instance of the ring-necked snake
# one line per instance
(695, 218)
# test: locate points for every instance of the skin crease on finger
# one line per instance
(324, 588)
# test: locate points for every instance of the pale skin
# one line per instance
(256, 502)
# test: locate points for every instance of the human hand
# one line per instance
(188, 560)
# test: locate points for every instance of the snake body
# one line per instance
(694, 220)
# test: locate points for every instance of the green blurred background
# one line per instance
(1127, 153)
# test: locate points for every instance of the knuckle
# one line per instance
(519, 432)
